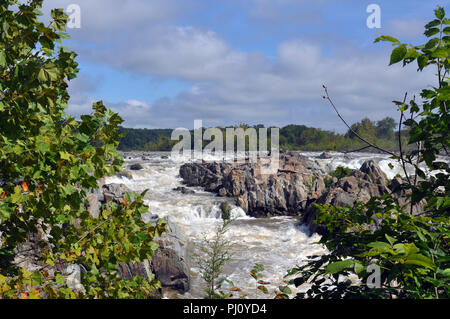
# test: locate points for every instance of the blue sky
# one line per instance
(165, 63)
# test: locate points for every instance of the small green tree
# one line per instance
(411, 252)
(211, 257)
(49, 162)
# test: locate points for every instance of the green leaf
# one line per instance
(36, 278)
(60, 279)
(257, 268)
(433, 23)
(420, 260)
(440, 13)
(338, 266)
(49, 74)
(390, 239)
(439, 202)
(422, 62)
(42, 145)
(429, 157)
(445, 272)
(398, 54)
(441, 53)
(2, 59)
(387, 38)
(286, 290)
(431, 32)
(359, 268)
(38, 12)
(379, 248)
(406, 249)
(379, 245)
(82, 137)
(65, 156)
(431, 44)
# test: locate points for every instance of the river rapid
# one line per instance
(278, 243)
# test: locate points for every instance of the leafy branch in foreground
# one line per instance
(410, 251)
(50, 161)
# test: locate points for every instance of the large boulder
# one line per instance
(114, 192)
(285, 193)
(136, 167)
(169, 264)
(325, 155)
(396, 187)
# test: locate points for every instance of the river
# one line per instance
(278, 243)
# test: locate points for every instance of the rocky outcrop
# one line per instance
(294, 189)
(367, 182)
(363, 184)
(169, 263)
(285, 193)
(401, 195)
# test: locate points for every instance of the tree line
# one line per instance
(292, 137)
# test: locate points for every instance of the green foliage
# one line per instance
(365, 129)
(341, 172)
(211, 256)
(140, 139)
(49, 161)
(412, 252)
(385, 128)
(163, 144)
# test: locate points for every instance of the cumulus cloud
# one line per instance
(105, 20)
(229, 85)
(278, 93)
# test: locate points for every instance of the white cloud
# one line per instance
(229, 85)
(107, 17)
(285, 91)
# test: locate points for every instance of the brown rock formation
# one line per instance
(285, 193)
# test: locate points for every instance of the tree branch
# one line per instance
(327, 97)
(358, 150)
(400, 144)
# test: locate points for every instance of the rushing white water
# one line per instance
(277, 243)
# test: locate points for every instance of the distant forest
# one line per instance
(292, 137)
